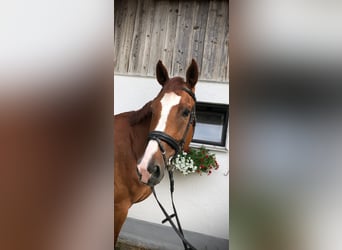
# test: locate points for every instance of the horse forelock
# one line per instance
(176, 83)
(139, 115)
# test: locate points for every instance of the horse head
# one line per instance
(172, 123)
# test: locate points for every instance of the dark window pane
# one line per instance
(209, 127)
(212, 122)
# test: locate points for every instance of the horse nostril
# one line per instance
(154, 170)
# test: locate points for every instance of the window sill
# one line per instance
(210, 147)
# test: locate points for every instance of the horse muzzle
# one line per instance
(152, 175)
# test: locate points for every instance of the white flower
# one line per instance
(184, 163)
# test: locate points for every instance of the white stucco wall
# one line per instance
(202, 201)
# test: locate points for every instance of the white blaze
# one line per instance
(167, 102)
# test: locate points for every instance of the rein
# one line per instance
(187, 245)
(178, 147)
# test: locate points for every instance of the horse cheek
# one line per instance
(188, 139)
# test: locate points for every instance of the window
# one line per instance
(211, 124)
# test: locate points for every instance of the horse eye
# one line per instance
(186, 112)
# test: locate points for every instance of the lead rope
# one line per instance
(187, 245)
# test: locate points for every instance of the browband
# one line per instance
(189, 91)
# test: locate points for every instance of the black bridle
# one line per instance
(178, 146)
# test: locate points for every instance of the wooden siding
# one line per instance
(146, 31)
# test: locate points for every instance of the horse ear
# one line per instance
(192, 74)
(162, 74)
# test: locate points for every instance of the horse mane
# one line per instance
(139, 115)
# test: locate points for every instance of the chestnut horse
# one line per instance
(139, 158)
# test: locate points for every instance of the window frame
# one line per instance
(215, 108)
